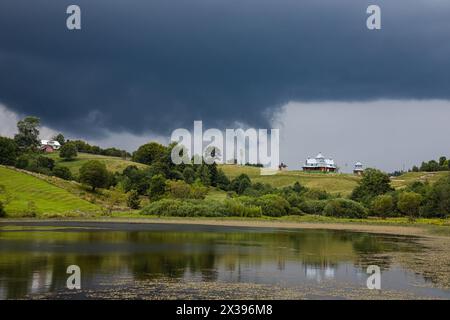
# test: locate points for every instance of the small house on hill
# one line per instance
(49, 145)
(320, 164)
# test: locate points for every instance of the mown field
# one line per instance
(23, 189)
(113, 164)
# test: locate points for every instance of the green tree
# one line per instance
(437, 201)
(60, 138)
(213, 173)
(94, 174)
(273, 205)
(8, 151)
(409, 204)
(62, 172)
(240, 183)
(204, 175)
(68, 151)
(382, 206)
(28, 135)
(133, 201)
(150, 153)
(432, 166)
(442, 161)
(157, 187)
(222, 180)
(373, 183)
(189, 175)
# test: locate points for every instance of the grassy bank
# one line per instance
(27, 193)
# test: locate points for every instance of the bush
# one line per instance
(2, 210)
(409, 204)
(62, 172)
(294, 200)
(185, 208)
(234, 207)
(198, 191)
(296, 211)
(240, 184)
(382, 206)
(68, 151)
(313, 206)
(344, 208)
(45, 162)
(179, 189)
(273, 205)
(133, 201)
(22, 161)
(315, 194)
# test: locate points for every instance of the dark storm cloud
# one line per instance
(156, 65)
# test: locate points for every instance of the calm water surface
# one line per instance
(34, 257)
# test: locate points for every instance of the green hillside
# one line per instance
(331, 182)
(113, 164)
(409, 177)
(24, 188)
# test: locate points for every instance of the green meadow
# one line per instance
(27, 193)
(332, 182)
(113, 164)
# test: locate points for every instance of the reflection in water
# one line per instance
(34, 260)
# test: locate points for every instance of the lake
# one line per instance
(170, 261)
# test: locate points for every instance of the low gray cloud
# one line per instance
(151, 66)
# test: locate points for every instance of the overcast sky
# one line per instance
(139, 69)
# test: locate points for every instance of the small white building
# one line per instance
(358, 169)
(320, 163)
(50, 145)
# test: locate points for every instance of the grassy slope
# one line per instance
(408, 178)
(47, 197)
(333, 183)
(113, 164)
